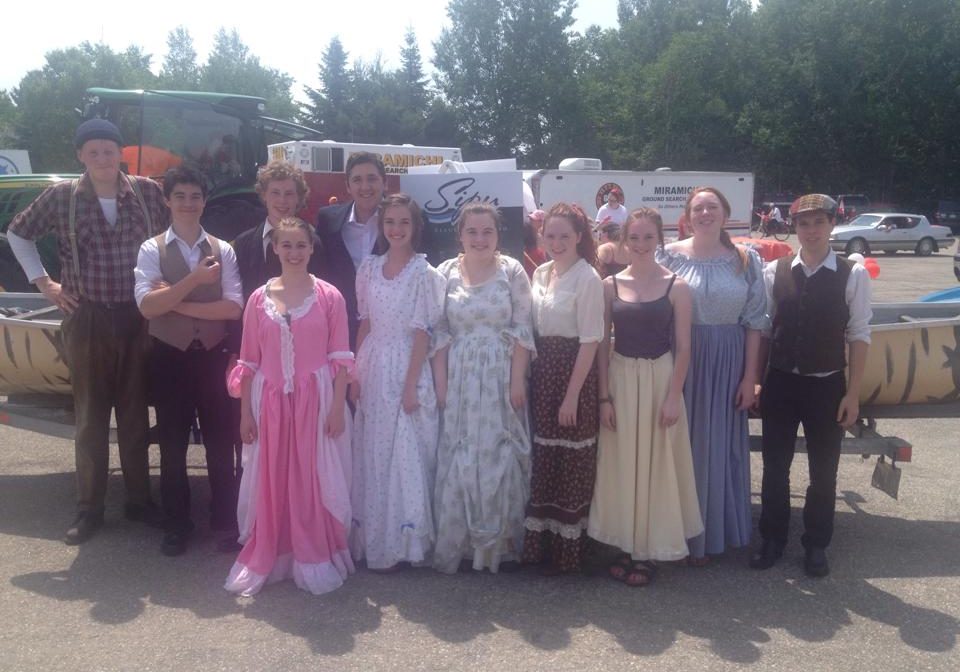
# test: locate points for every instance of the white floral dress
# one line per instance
(483, 474)
(394, 452)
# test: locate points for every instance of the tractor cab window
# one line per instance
(187, 134)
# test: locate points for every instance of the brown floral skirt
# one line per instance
(564, 459)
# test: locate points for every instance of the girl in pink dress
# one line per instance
(292, 376)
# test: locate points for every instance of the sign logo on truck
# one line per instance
(605, 190)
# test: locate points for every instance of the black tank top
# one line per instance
(608, 268)
(642, 329)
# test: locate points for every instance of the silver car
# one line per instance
(890, 232)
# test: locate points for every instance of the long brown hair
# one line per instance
(635, 216)
(724, 236)
(416, 218)
(586, 247)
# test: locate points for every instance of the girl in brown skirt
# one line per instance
(568, 324)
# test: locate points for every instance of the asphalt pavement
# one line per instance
(892, 601)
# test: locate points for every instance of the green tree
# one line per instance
(8, 120)
(507, 66)
(47, 98)
(180, 71)
(231, 68)
(328, 106)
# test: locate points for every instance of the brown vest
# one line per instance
(179, 330)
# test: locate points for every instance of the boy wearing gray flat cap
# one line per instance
(820, 314)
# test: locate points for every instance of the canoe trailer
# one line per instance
(912, 372)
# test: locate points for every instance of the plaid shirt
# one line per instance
(108, 254)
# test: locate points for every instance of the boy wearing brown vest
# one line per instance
(188, 287)
(820, 313)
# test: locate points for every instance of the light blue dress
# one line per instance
(727, 300)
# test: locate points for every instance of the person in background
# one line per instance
(568, 324)
(400, 299)
(484, 342)
(188, 288)
(533, 254)
(100, 220)
(295, 362)
(729, 310)
(612, 257)
(645, 499)
(613, 211)
(820, 307)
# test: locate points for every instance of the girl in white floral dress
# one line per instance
(399, 297)
(484, 343)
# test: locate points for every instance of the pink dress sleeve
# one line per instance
(249, 361)
(338, 338)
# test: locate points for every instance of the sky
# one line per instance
(289, 37)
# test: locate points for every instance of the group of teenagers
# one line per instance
(467, 415)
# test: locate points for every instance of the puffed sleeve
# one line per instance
(429, 287)
(521, 304)
(338, 336)
(248, 363)
(363, 286)
(441, 332)
(754, 313)
(590, 307)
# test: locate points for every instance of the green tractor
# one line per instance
(225, 136)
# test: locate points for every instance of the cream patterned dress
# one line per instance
(483, 470)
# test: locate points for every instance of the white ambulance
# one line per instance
(584, 182)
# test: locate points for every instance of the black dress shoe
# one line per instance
(174, 543)
(148, 514)
(815, 563)
(84, 526)
(767, 556)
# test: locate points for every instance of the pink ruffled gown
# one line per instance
(294, 504)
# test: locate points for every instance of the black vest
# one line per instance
(810, 323)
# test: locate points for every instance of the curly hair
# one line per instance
(282, 170)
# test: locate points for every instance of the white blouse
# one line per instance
(572, 307)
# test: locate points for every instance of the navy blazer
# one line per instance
(338, 267)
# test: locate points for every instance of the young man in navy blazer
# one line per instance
(348, 231)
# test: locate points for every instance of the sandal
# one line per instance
(621, 567)
(640, 575)
(697, 561)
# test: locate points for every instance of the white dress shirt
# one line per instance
(359, 237)
(148, 273)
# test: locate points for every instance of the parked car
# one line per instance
(890, 233)
(948, 214)
(849, 206)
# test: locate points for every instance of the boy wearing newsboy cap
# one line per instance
(820, 315)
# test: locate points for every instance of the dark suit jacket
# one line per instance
(255, 270)
(338, 267)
